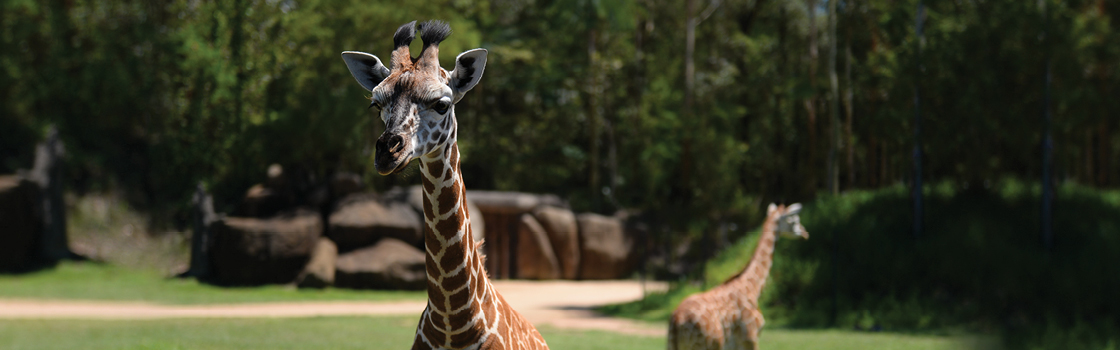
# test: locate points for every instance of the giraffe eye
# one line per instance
(441, 106)
(373, 104)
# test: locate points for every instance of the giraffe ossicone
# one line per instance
(415, 97)
(727, 316)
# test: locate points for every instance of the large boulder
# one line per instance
(262, 201)
(20, 222)
(390, 264)
(319, 271)
(345, 183)
(563, 233)
(604, 247)
(414, 196)
(535, 257)
(512, 202)
(251, 251)
(362, 220)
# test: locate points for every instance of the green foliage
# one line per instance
(979, 267)
(581, 98)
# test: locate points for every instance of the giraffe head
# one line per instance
(789, 223)
(415, 96)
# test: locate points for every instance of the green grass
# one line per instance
(98, 281)
(386, 333)
(978, 268)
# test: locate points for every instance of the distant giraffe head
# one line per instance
(415, 97)
(789, 223)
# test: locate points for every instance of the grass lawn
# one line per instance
(386, 333)
(97, 281)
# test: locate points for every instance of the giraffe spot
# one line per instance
(449, 228)
(434, 336)
(430, 265)
(452, 258)
(465, 339)
(438, 322)
(492, 343)
(429, 187)
(434, 170)
(458, 299)
(460, 320)
(454, 156)
(435, 293)
(448, 198)
(447, 175)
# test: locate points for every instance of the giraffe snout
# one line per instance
(390, 156)
(390, 143)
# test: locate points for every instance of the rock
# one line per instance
(390, 264)
(604, 247)
(263, 201)
(512, 202)
(20, 222)
(504, 202)
(535, 257)
(319, 272)
(563, 233)
(361, 220)
(251, 251)
(276, 179)
(345, 183)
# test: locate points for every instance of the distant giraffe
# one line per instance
(416, 99)
(727, 317)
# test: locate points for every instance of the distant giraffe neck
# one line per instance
(753, 277)
(458, 289)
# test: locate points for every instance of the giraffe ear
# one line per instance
(365, 68)
(468, 71)
(793, 209)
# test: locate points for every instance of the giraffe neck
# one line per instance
(753, 277)
(458, 288)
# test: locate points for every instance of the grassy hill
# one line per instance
(979, 266)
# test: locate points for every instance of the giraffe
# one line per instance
(416, 99)
(727, 316)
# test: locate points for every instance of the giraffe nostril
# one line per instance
(395, 143)
(390, 143)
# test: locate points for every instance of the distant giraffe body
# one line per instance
(727, 316)
(416, 100)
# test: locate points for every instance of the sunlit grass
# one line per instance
(389, 333)
(99, 281)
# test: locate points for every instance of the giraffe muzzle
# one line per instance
(390, 156)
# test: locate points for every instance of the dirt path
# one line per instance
(561, 304)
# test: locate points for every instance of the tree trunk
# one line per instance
(834, 102)
(811, 102)
(849, 141)
(593, 88)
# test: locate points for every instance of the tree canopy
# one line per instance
(584, 98)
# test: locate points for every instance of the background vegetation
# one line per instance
(972, 272)
(694, 112)
(589, 99)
